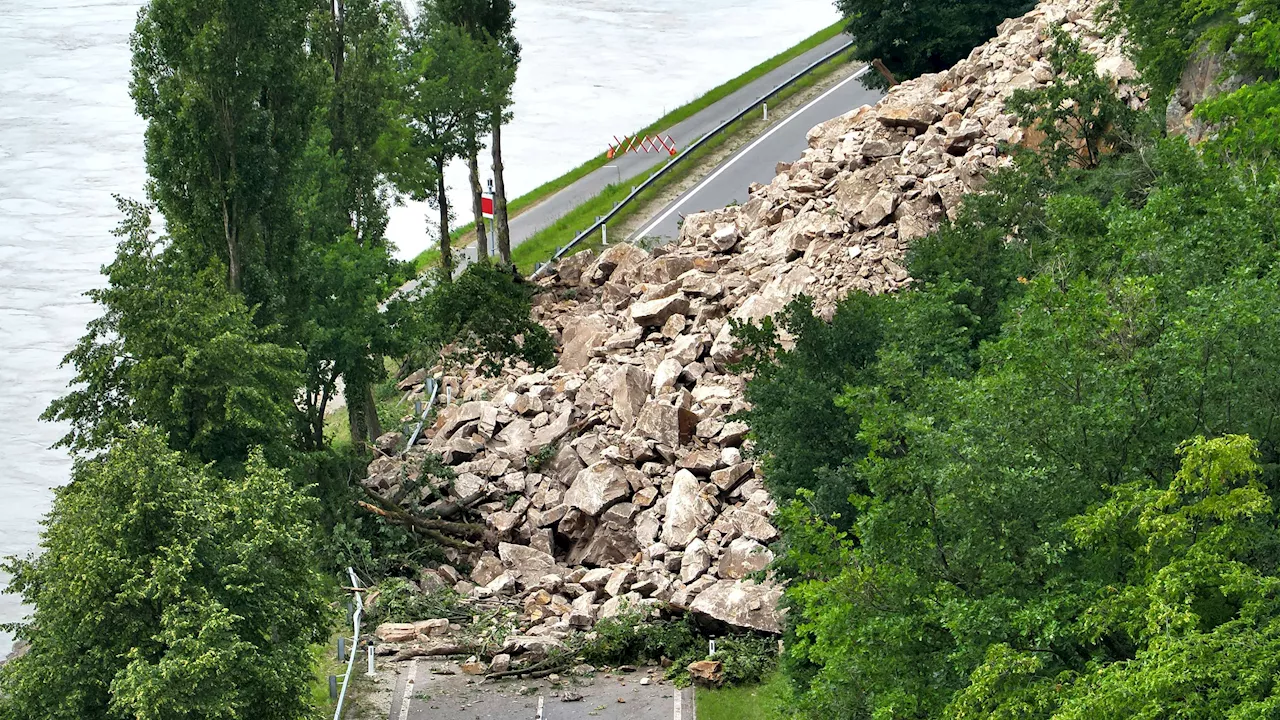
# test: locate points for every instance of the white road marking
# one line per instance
(540, 700)
(679, 704)
(408, 690)
(752, 146)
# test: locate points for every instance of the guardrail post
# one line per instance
(604, 234)
(371, 672)
(333, 688)
(342, 649)
(766, 112)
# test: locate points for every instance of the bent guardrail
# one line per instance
(355, 642)
(595, 227)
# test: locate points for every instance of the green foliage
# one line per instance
(631, 638)
(1078, 111)
(483, 316)
(176, 349)
(227, 95)
(917, 38)
(165, 591)
(1018, 533)
(398, 600)
(748, 659)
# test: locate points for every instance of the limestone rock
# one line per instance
(743, 557)
(581, 337)
(654, 313)
(525, 563)
(597, 487)
(741, 603)
(688, 511)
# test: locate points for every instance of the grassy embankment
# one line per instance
(430, 258)
(544, 244)
(748, 702)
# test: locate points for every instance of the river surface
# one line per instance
(69, 140)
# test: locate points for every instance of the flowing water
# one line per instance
(69, 140)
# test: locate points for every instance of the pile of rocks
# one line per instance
(620, 477)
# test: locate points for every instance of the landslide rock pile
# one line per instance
(619, 477)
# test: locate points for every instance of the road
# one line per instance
(756, 162)
(625, 167)
(422, 693)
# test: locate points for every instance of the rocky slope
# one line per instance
(618, 478)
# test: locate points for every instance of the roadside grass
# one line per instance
(431, 257)
(543, 245)
(746, 702)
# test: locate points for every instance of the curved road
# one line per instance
(784, 141)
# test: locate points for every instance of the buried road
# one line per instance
(436, 690)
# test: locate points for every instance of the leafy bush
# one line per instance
(918, 38)
(628, 638)
(482, 315)
(399, 600)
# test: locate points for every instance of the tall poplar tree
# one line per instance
(225, 91)
(490, 21)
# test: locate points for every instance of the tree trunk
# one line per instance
(500, 224)
(233, 250)
(373, 425)
(446, 258)
(356, 417)
(477, 192)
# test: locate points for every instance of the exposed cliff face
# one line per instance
(619, 477)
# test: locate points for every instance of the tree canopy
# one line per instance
(914, 38)
(166, 590)
(1042, 482)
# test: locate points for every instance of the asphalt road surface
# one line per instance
(685, 133)
(422, 693)
(782, 142)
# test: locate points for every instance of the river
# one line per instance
(69, 141)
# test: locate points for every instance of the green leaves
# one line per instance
(163, 591)
(1007, 518)
(918, 38)
(177, 350)
(1078, 113)
(483, 316)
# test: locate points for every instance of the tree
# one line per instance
(1079, 114)
(914, 38)
(225, 91)
(1018, 534)
(344, 194)
(165, 591)
(447, 71)
(177, 350)
(484, 317)
(492, 21)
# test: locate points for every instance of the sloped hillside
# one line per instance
(619, 477)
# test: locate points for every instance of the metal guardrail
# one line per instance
(355, 643)
(435, 390)
(685, 153)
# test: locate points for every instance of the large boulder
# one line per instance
(741, 603)
(597, 487)
(618, 262)
(743, 557)
(688, 511)
(630, 390)
(653, 313)
(580, 338)
(524, 563)
(610, 544)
